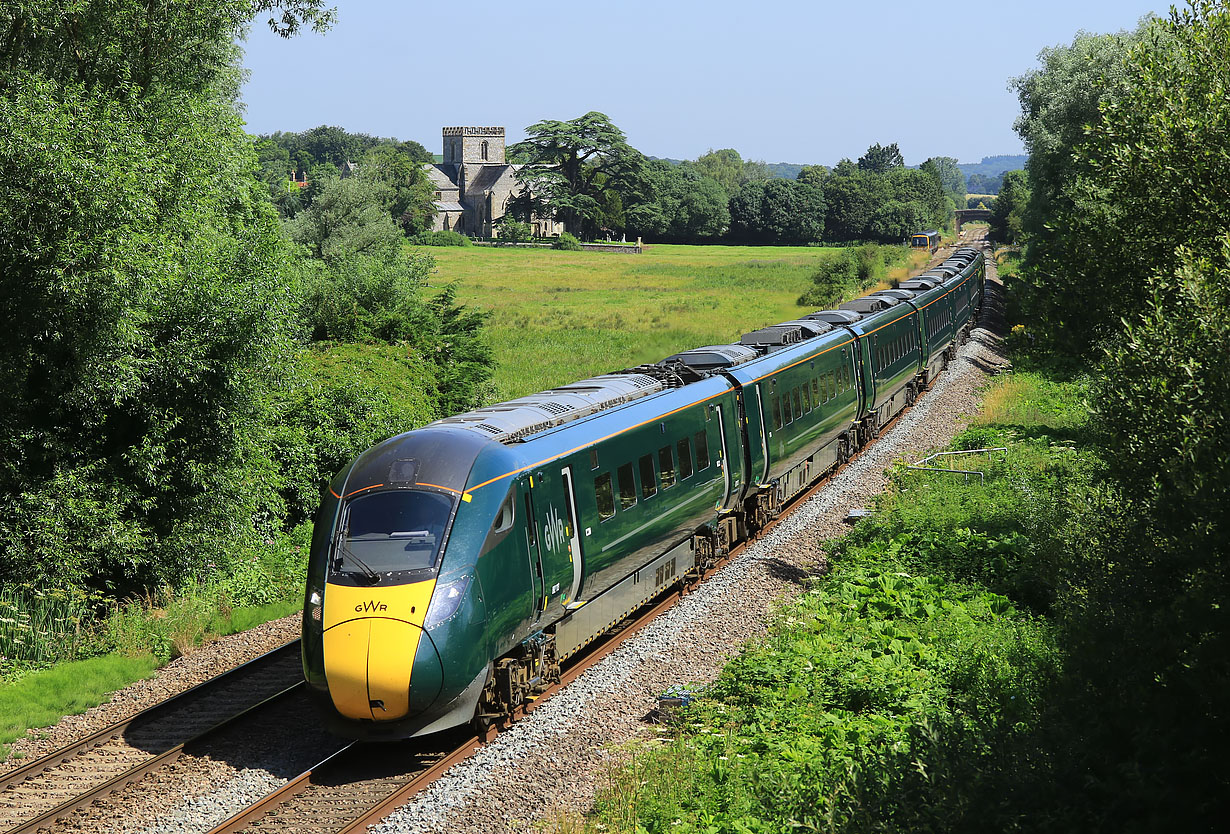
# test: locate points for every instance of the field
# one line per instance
(557, 317)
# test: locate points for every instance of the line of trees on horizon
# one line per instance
(584, 173)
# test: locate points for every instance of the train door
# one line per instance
(574, 534)
(723, 458)
(533, 546)
(763, 431)
(557, 534)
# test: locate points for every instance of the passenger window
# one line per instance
(787, 414)
(627, 487)
(777, 412)
(604, 496)
(593, 458)
(684, 447)
(505, 519)
(649, 483)
(815, 390)
(666, 467)
(806, 398)
(702, 450)
(798, 403)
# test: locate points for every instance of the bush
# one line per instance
(345, 398)
(849, 271)
(441, 238)
(567, 243)
(514, 231)
(363, 298)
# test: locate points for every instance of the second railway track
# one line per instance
(34, 796)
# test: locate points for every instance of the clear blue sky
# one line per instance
(778, 80)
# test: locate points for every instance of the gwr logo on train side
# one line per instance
(370, 606)
(554, 535)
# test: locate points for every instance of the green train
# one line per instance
(455, 567)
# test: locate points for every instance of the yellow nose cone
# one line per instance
(371, 636)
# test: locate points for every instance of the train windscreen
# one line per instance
(392, 531)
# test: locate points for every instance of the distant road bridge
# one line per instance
(966, 215)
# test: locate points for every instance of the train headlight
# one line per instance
(314, 606)
(445, 602)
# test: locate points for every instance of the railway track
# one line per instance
(47, 789)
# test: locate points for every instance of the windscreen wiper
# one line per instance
(371, 575)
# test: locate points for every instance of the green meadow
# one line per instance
(557, 317)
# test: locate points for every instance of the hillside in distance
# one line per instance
(993, 166)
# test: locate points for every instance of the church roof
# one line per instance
(449, 207)
(439, 176)
(487, 177)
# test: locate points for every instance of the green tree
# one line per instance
(685, 205)
(778, 211)
(348, 217)
(144, 280)
(134, 49)
(756, 170)
(1065, 296)
(880, 159)
(570, 163)
(514, 231)
(813, 174)
(896, 220)
(410, 198)
(725, 167)
(1010, 207)
(982, 184)
(852, 196)
(951, 179)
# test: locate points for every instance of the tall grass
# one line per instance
(39, 627)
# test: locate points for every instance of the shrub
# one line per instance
(345, 398)
(441, 238)
(567, 243)
(848, 271)
(514, 231)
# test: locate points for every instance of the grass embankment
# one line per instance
(150, 632)
(60, 657)
(891, 695)
(557, 317)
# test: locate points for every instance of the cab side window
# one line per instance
(505, 518)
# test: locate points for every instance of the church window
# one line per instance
(484, 150)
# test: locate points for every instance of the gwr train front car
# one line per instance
(393, 622)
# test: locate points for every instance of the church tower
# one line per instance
(474, 146)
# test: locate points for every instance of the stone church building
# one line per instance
(474, 184)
